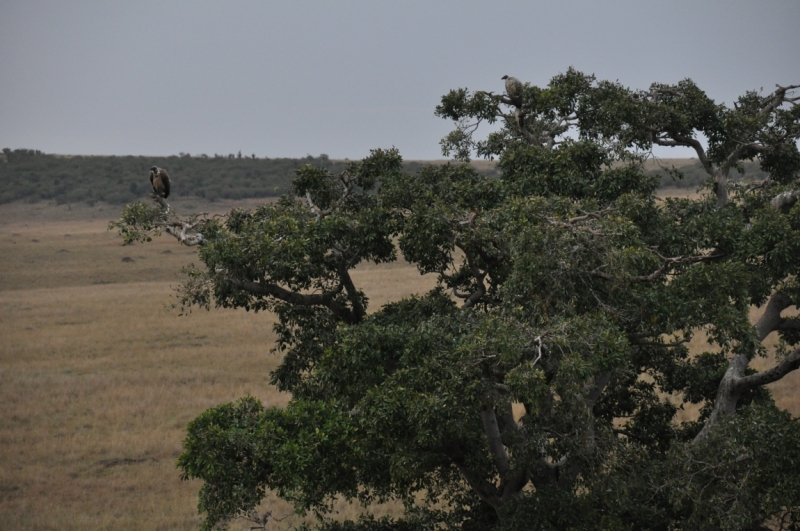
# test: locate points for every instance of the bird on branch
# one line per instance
(160, 181)
(514, 90)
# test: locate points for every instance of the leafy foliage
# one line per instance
(567, 292)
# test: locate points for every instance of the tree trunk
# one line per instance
(727, 397)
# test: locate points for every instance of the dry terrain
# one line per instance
(98, 378)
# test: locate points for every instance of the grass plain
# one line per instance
(98, 378)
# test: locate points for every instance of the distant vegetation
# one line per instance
(30, 175)
(690, 173)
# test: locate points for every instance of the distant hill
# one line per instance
(32, 176)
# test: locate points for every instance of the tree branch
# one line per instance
(789, 364)
(161, 201)
(784, 199)
(514, 483)
(657, 344)
(479, 275)
(184, 231)
(508, 417)
(485, 490)
(778, 97)
(661, 270)
(318, 212)
(495, 443)
(180, 230)
(734, 382)
(771, 317)
(687, 142)
(599, 384)
(352, 294)
(325, 299)
(786, 325)
(770, 321)
(567, 477)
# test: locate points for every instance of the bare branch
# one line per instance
(539, 356)
(186, 231)
(789, 364)
(320, 213)
(771, 317)
(777, 99)
(784, 199)
(181, 231)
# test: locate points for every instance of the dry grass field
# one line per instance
(98, 378)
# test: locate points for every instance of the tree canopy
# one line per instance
(537, 386)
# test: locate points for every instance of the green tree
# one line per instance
(566, 290)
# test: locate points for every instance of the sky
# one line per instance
(288, 79)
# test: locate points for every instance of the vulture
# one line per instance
(514, 90)
(160, 181)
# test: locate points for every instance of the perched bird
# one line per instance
(514, 90)
(160, 181)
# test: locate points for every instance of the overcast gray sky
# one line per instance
(340, 77)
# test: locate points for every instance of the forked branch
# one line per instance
(188, 231)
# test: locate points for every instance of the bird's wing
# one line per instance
(165, 180)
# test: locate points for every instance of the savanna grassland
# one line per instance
(98, 377)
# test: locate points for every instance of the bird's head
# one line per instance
(504, 77)
(154, 168)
